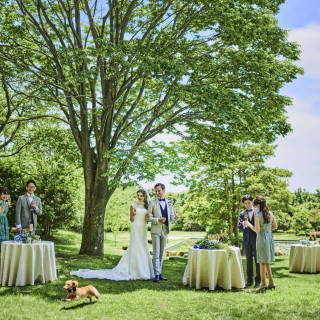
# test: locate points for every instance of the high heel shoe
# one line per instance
(262, 289)
(272, 286)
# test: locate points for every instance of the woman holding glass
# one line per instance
(264, 222)
(4, 208)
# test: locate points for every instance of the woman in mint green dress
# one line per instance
(4, 208)
(264, 222)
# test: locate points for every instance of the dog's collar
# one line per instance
(72, 290)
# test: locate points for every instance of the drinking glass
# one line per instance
(245, 216)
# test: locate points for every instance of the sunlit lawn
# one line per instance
(294, 298)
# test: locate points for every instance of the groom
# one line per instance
(162, 214)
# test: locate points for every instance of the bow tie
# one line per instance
(162, 199)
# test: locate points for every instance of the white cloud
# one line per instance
(309, 39)
(299, 152)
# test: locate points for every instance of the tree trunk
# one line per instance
(228, 205)
(97, 195)
(93, 224)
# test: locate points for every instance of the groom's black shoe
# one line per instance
(156, 279)
(162, 278)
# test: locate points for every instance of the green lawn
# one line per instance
(286, 236)
(294, 298)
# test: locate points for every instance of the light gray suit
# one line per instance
(159, 232)
(26, 213)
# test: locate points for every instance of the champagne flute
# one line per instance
(176, 215)
(9, 198)
(245, 216)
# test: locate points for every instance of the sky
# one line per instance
(299, 151)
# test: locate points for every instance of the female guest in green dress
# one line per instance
(4, 208)
(264, 222)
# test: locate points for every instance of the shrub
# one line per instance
(191, 226)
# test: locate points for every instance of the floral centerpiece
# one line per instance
(305, 242)
(27, 237)
(214, 245)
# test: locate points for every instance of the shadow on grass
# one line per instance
(77, 306)
(172, 269)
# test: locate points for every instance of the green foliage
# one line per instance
(301, 222)
(118, 209)
(51, 161)
(306, 212)
(12, 177)
(302, 196)
(215, 196)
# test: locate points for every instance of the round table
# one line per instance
(27, 263)
(304, 258)
(209, 268)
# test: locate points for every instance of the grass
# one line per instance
(285, 236)
(294, 298)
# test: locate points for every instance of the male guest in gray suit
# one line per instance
(162, 213)
(28, 208)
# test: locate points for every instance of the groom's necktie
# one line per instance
(250, 214)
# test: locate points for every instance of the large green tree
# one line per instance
(119, 72)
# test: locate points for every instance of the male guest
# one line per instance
(249, 240)
(161, 214)
(28, 208)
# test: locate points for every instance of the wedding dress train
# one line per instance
(136, 261)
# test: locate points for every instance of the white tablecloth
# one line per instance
(304, 258)
(209, 268)
(24, 264)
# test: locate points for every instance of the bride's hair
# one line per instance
(145, 194)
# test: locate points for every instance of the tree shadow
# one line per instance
(173, 269)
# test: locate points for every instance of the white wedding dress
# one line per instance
(136, 262)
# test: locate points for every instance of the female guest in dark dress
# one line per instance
(4, 208)
(264, 222)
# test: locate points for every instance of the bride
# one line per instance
(136, 261)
